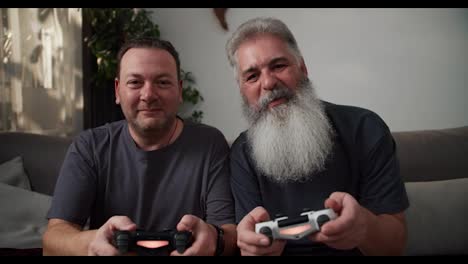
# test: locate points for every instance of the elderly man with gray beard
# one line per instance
(301, 153)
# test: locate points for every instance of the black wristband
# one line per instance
(219, 241)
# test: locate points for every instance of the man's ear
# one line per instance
(181, 98)
(116, 88)
(303, 67)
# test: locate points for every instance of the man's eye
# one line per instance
(279, 66)
(251, 77)
(133, 82)
(164, 83)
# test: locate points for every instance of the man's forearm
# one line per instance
(66, 240)
(386, 235)
(230, 239)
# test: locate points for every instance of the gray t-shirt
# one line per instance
(363, 163)
(105, 174)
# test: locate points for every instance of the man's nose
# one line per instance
(148, 92)
(269, 81)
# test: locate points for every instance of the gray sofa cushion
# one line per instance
(437, 217)
(12, 173)
(42, 156)
(23, 217)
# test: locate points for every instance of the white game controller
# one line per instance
(295, 228)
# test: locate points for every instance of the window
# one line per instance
(41, 70)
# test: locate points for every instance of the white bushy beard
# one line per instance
(290, 142)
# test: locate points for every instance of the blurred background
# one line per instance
(410, 66)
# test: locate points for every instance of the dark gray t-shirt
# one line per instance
(363, 163)
(105, 174)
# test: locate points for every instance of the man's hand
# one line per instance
(205, 236)
(101, 245)
(349, 229)
(253, 244)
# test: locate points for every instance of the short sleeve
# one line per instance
(244, 184)
(75, 189)
(381, 188)
(219, 204)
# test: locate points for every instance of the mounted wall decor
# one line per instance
(221, 15)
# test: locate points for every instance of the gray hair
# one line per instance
(256, 27)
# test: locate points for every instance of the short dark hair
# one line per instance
(148, 43)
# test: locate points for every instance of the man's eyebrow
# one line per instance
(161, 75)
(133, 75)
(137, 75)
(278, 59)
(249, 70)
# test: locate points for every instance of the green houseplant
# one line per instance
(109, 28)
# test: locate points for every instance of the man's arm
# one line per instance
(386, 234)
(356, 226)
(383, 197)
(74, 194)
(219, 202)
(65, 238)
(244, 183)
(230, 240)
(206, 237)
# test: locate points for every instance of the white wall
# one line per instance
(408, 65)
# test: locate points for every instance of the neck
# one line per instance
(159, 139)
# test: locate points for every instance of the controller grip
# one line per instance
(267, 232)
(122, 240)
(182, 241)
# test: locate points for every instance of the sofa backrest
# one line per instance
(430, 155)
(434, 166)
(42, 156)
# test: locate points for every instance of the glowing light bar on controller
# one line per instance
(152, 243)
(295, 230)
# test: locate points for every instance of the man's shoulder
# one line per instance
(201, 131)
(201, 127)
(101, 133)
(357, 126)
(240, 142)
(347, 111)
(349, 118)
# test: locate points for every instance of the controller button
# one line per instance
(322, 219)
(267, 232)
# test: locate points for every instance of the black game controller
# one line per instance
(133, 241)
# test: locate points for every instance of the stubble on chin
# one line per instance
(148, 125)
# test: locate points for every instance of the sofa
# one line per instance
(434, 167)
(29, 166)
(433, 163)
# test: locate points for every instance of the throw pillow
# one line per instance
(23, 217)
(12, 173)
(437, 217)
